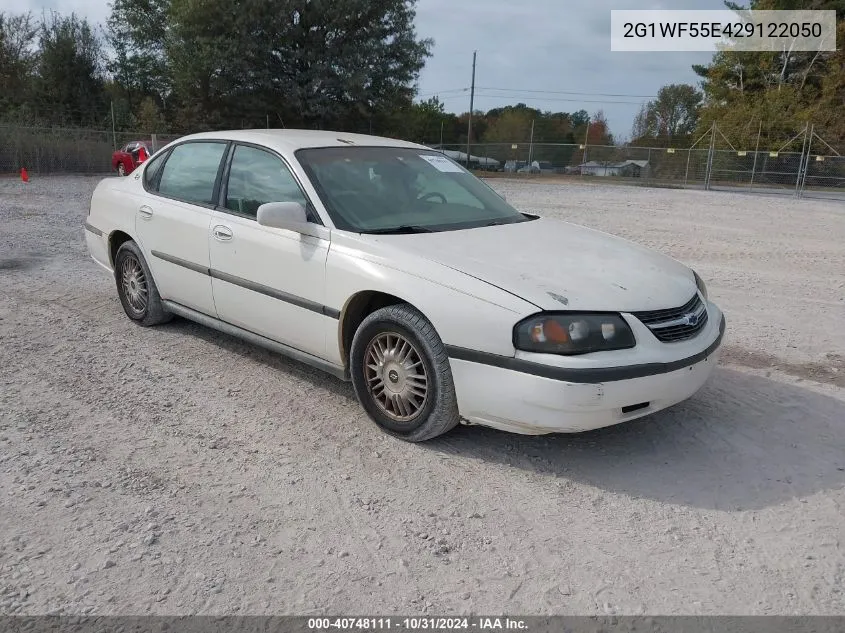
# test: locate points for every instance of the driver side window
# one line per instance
(257, 177)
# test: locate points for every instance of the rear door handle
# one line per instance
(146, 212)
(222, 233)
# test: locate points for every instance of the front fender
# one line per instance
(465, 311)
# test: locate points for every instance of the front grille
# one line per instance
(676, 324)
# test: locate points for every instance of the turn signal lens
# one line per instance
(573, 333)
(555, 332)
(549, 331)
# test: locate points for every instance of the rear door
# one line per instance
(173, 219)
(268, 281)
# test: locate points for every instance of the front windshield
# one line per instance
(397, 189)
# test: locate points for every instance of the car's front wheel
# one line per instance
(135, 287)
(121, 169)
(401, 374)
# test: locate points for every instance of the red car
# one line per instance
(125, 160)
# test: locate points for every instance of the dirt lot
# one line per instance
(177, 470)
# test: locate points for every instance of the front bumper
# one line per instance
(527, 403)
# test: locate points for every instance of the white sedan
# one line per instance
(388, 264)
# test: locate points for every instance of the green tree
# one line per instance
(233, 63)
(17, 60)
(136, 33)
(510, 124)
(419, 122)
(781, 90)
(673, 114)
(831, 102)
(148, 118)
(349, 64)
(69, 87)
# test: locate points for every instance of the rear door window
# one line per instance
(151, 171)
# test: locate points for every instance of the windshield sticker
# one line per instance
(441, 163)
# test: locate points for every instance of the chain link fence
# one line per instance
(825, 177)
(63, 150)
(805, 166)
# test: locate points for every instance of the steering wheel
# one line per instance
(433, 194)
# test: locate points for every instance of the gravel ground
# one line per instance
(175, 470)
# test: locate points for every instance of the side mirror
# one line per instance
(282, 215)
(290, 216)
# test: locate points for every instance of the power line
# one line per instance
(543, 99)
(471, 102)
(527, 91)
(565, 92)
(439, 92)
(524, 94)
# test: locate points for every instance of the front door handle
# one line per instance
(222, 233)
(146, 212)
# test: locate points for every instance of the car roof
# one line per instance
(292, 140)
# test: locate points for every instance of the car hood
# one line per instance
(557, 265)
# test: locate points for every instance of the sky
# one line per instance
(549, 54)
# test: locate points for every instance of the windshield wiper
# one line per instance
(505, 221)
(396, 230)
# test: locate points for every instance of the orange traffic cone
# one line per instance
(24, 175)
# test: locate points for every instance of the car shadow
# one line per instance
(743, 442)
(276, 361)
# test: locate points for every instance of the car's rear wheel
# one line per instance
(401, 374)
(121, 170)
(136, 288)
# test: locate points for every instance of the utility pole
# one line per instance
(531, 145)
(586, 139)
(471, 106)
(441, 135)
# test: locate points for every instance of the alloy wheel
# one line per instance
(134, 284)
(396, 376)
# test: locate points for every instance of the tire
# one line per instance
(406, 342)
(136, 288)
(121, 169)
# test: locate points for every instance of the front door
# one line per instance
(268, 281)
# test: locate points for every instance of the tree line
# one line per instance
(768, 96)
(185, 65)
(180, 66)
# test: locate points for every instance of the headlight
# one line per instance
(572, 333)
(700, 283)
